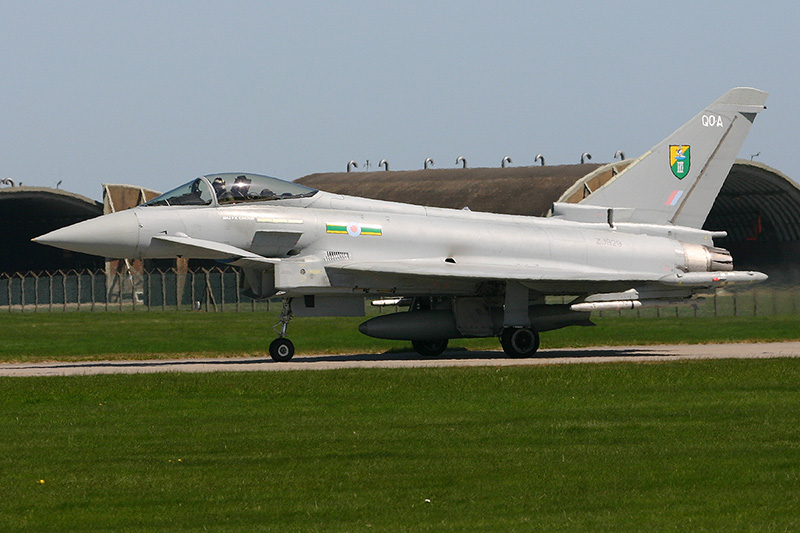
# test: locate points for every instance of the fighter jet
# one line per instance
(636, 241)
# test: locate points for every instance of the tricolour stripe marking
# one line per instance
(673, 198)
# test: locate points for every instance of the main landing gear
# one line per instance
(430, 348)
(282, 349)
(519, 342)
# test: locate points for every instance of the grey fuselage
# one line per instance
(301, 236)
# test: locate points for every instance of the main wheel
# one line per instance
(519, 342)
(430, 347)
(281, 349)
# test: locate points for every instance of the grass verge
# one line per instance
(700, 445)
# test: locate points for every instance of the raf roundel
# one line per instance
(353, 229)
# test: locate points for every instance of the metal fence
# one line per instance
(212, 290)
(218, 290)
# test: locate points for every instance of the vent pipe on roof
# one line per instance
(7, 181)
(428, 162)
(351, 165)
(539, 157)
(461, 159)
(384, 163)
(620, 154)
(585, 156)
(505, 160)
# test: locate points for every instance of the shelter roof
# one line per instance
(511, 190)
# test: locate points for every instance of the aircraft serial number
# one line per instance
(711, 121)
(609, 242)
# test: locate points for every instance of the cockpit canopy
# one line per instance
(231, 188)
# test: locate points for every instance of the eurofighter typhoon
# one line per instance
(634, 242)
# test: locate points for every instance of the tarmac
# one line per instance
(454, 358)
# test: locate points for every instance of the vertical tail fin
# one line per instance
(677, 181)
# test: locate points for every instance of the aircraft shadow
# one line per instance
(466, 355)
(450, 355)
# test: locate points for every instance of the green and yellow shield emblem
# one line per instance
(679, 160)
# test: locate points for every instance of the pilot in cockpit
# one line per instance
(219, 187)
(241, 187)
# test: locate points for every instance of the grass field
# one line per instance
(142, 335)
(689, 446)
(703, 445)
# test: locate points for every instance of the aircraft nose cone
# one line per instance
(115, 235)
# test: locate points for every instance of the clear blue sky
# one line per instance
(156, 93)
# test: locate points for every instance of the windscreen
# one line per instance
(196, 192)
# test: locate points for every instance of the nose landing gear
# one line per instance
(282, 349)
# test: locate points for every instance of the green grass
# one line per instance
(701, 445)
(141, 335)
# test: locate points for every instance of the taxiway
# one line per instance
(455, 358)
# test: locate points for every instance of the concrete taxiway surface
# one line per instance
(408, 360)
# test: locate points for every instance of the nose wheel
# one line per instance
(282, 349)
